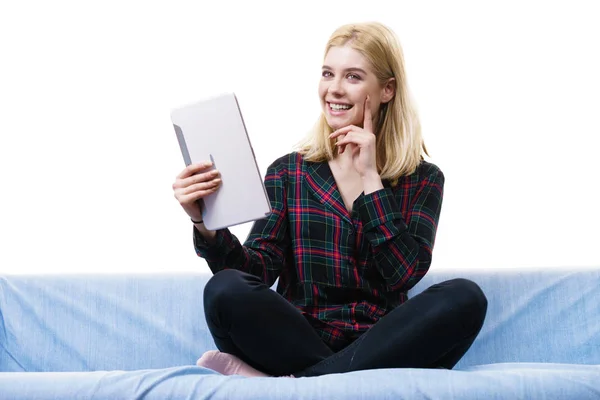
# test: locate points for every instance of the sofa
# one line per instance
(138, 336)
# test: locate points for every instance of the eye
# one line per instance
(354, 77)
(326, 74)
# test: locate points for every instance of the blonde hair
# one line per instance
(400, 146)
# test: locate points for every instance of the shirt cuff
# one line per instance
(379, 208)
(212, 251)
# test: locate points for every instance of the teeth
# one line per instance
(338, 107)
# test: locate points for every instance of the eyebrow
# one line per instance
(347, 69)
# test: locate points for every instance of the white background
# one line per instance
(508, 94)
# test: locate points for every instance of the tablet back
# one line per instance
(213, 129)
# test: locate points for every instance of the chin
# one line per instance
(334, 126)
(336, 123)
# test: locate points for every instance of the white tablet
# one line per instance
(213, 129)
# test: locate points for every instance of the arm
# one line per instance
(403, 252)
(265, 250)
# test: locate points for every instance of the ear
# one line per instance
(388, 91)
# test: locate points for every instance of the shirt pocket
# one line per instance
(326, 252)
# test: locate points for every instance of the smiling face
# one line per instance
(347, 78)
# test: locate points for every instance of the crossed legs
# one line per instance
(259, 333)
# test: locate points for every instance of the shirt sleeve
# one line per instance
(402, 250)
(265, 250)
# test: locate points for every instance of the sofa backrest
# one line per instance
(129, 322)
(99, 322)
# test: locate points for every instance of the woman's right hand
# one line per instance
(194, 183)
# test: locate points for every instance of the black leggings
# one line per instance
(434, 329)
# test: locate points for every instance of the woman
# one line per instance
(354, 218)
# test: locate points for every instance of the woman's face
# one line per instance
(346, 80)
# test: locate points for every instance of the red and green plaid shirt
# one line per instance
(342, 270)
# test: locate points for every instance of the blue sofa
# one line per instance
(138, 337)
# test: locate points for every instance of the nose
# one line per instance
(336, 87)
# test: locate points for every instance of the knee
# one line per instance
(468, 299)
(225, 287)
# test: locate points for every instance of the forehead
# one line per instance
(344, 57)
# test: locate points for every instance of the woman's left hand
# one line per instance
(361, 141)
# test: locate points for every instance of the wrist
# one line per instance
(372, 182)
(370, 175)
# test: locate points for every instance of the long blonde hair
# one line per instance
(400, 145)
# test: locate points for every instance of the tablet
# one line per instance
(213, 129)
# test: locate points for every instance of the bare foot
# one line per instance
(227, 364)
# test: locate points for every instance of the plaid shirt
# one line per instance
(342, 270)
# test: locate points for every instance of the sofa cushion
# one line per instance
(495, 382)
